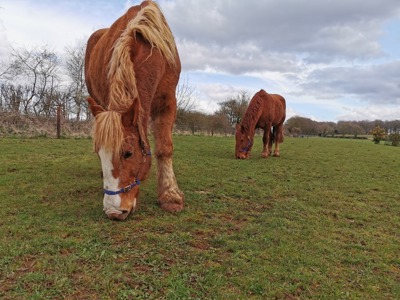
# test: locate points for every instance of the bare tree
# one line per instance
(218, 123)
(186, 102)
(196, 121)
(10, 97)
(185, 96)
(75, 61)
(299, 125)
(349, 127)
(235, 107)
(36, 70)
(4, 69)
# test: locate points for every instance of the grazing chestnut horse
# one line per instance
(265, 111)
(132, 69)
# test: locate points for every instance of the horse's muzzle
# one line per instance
(118, 207)
(118, 217)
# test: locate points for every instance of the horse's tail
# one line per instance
(151, 24)
(281, 135)
(272, 135)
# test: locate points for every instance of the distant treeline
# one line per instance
(297, 126)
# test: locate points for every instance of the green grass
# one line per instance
(320, 222)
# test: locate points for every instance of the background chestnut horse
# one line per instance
(265, 111)
(132, 69)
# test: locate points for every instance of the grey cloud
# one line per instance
(373, 84)
(237, 60)
(324, 48)
(316, 31)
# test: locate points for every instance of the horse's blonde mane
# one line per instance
(151, 24)
(107, 132)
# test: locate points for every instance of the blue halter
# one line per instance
(247, 148)
(126, 189)
(122, 190)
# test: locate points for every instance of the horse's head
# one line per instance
(243, 143)
(124, 154)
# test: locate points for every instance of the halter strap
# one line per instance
(130, 186)
(122, 190)
(146, 153)
(247, 148)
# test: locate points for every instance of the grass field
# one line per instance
(320, 222)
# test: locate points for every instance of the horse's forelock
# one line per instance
(108, 132)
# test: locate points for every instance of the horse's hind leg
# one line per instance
(267, 141)
(170, 196)
(278, 139)
(271, 139)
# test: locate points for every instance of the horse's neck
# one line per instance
(250, 121)
(249, 132)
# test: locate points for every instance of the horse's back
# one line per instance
(280, 101)
(274, 106)
(280, 107)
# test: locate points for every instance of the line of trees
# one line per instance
(223, 121)
(297, 126)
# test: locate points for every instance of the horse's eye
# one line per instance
(127, 154)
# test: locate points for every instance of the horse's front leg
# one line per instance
(170, 197)
(267, 142)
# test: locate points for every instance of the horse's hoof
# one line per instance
(172, 201)
(264, 155)
(172, 207)
(118, 217)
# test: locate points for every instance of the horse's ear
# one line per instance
(94, 107)
(130, 117)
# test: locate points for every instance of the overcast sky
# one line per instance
(331, 59)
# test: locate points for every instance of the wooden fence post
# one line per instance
(58, 121)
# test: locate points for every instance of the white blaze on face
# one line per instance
(111, 203)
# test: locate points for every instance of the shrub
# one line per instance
(378, 134)
(395, 138)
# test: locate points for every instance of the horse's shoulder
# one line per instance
(95, 37)
(91, 44)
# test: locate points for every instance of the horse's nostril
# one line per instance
(113, 216)
(118, 217)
